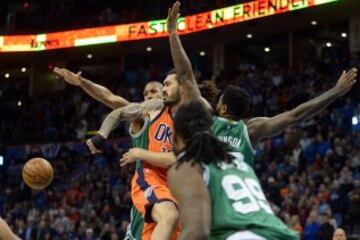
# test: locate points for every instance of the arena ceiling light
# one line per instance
(249, 35)
(314, 23)
(149, 49)
(23, 69)
(89, 56)
(328, 44)
(7, 75)
(344, 35)
(202, 53)
(19, 103)
(267, 49)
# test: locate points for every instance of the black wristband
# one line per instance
(98, 141)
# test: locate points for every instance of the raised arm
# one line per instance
(188, 187)
(263, 127)
(96, 91)
(180, 59)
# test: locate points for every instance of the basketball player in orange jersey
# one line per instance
(5, 231)
(150, 192)
(130, 112)
(152, 91)
(158, 204)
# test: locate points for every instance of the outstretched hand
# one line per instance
(131, 156)
(69, 77)
(92, 147)
(173, 16)
(346, 82)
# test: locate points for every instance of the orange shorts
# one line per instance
(147, 189)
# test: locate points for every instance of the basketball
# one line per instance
(37, 173)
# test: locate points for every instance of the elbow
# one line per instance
(171, 161)
(167, 164)
(293, 119)
(114, 104)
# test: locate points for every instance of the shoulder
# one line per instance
(254, 123)
(183, 173)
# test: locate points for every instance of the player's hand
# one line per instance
(131, 156)
(69, 77)
(92, 147)
(346, 82)
(173, 16)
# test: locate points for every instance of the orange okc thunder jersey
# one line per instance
(156, 136)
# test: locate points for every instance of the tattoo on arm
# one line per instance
(130, 112)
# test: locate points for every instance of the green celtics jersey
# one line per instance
(236, 135)
(140, 140)
(135, 227)
(239, 205)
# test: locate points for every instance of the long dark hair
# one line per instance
(192, 123)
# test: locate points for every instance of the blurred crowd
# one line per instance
(53, 15)
(311, 173)
(88, 199)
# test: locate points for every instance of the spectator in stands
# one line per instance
(312, 227)
(296, 225)
(354, 208)
(339, 234)
(326, 229)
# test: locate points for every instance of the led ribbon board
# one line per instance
(153, 29)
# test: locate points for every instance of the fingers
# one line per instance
(92, 147)
(343, 74)
(177, 8)
(174, 11)
(351, 75)
(124, 161)
(57, 70)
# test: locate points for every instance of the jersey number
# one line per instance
(246, 194)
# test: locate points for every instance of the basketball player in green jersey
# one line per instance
(219, 195)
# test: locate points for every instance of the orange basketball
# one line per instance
(37, 173)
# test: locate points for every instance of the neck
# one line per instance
(174, 108)
(229, 117)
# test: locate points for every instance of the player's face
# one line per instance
(171, 90)
(153, 91)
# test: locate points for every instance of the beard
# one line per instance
(172, 100)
